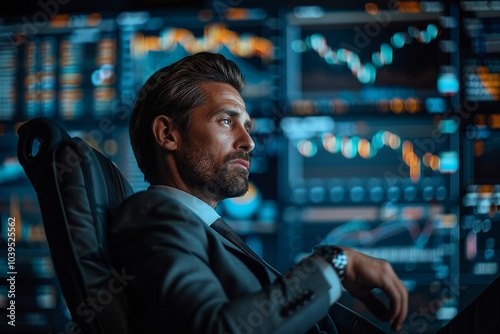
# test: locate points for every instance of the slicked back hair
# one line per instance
(174, 91)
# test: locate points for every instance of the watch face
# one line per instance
(335, 256)
(339, 264)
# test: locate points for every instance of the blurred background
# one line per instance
(376, 126)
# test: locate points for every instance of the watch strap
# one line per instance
(335, 256)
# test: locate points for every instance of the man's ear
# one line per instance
(164, 132)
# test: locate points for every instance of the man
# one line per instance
(190, 134)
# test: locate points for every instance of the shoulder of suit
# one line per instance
(147, 200)
(150, 194)
(154, 203)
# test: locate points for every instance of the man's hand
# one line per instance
(365, 273)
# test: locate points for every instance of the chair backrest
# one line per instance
(79, 190)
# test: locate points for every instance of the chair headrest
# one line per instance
(48, 135)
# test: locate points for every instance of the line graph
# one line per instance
(414, 238)
(352, 146)
(365, 72)
(357, 233)
(215, 36)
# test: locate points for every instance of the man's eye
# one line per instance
(226, 121)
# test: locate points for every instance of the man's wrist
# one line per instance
(335, 256)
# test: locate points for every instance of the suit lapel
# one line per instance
(254, 263)
(237, 246)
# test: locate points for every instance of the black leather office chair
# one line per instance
(78, 189)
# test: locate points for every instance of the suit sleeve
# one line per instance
(167, 251)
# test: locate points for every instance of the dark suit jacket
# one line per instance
(190, 279)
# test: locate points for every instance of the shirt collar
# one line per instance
(201, 209)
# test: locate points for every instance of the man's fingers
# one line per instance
(401, 310)
(398, 296)
(366, 273)
(396, 313)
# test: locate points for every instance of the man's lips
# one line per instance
(243, 163)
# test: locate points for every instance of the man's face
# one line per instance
(213, 157)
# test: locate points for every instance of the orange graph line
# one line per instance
(214, 37)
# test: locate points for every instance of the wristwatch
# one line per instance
(335, 256)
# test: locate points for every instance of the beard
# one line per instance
(202, 174)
